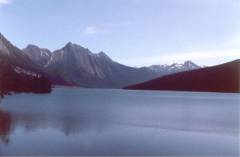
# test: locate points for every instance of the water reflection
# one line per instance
(5, 126)
(82, 123)
(69, 125)
(66, 124)
(183, 119)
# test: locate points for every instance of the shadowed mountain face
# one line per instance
(221, 78)
(18, 73)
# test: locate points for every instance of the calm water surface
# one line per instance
(72, 121)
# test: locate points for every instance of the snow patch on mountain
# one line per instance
(20, 70)
(175, 68)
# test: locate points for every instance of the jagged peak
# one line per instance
(71, 45)
(103, 55)
(7, 47)
(32, 46)
(175, 63)
(187, 65)
(1, 35)
(189, 62)
(4, 39)
(4, 44)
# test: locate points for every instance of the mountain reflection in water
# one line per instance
(116, 122)
(5, 126)
(69, 125)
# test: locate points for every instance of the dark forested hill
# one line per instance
(221, 78)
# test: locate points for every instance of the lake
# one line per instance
(74, 121)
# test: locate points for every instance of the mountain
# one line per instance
(17, 71)
(14, 55)
(31, 69)
(79, 66)
(221, 78)
(38, 55)
(174, 68)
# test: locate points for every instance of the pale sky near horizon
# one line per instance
(132, 32)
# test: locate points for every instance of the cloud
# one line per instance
(91, 30)
(106, 28)
(3, 2)
(202, 58)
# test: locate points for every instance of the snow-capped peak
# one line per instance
(175, 67)
(191, 65)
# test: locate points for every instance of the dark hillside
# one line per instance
(221, 78)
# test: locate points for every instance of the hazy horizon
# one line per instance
(132, 32)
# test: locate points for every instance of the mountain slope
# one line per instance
(221, 78)
(18, 73)
(15, 56)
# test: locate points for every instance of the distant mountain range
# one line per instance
(78, 66)
(174, 68)
(221, 78)
(75, 65)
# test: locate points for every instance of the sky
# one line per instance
(132, 32)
